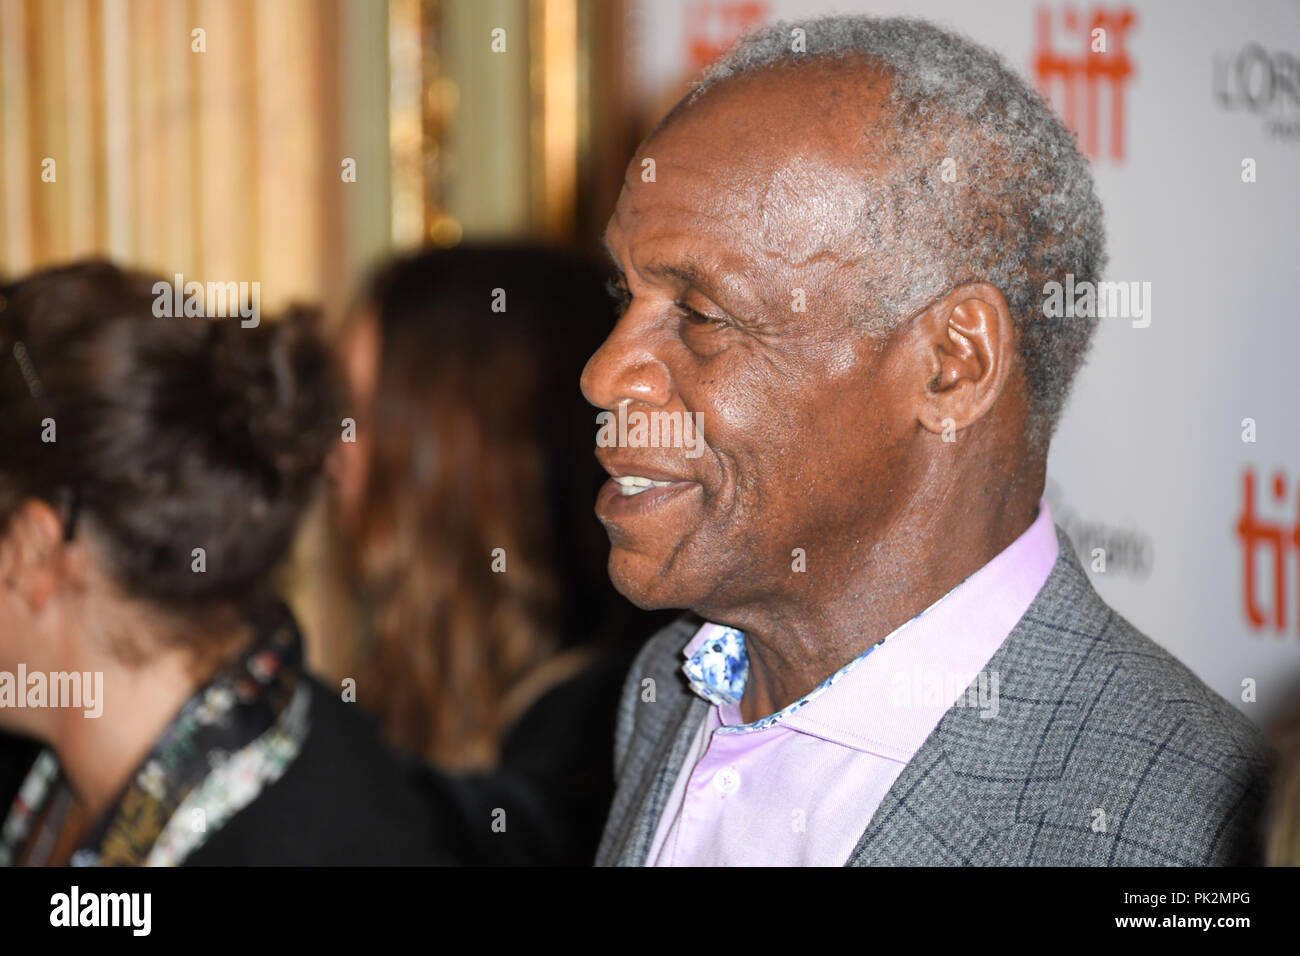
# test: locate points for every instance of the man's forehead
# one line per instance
(786, 208)
(688, 255)
(784, 156)
(820, 102)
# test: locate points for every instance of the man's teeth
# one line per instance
(635, 484)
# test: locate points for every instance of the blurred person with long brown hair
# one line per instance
(492, 636)
(154, 471)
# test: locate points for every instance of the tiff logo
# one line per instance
(712, 26)
(1273, 539)
(1072, 81)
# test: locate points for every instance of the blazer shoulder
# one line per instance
(1166, 691)
(1184, 773)
(1129, 746)
(1123, 675)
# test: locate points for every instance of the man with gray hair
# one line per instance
(833, 253)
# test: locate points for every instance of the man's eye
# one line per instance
(620, 294)
(696, 318)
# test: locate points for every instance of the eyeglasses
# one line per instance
(70, 495)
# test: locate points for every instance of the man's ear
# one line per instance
(970, 343)
(31, 553)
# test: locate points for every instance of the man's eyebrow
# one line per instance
(687, 272)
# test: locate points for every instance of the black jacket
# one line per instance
(345, 800)
(546, 802)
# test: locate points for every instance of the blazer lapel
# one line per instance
(977, 775)
(923, 820)
(631, 845)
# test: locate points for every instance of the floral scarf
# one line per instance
(234, 737)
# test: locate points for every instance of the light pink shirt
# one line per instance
(802, 790)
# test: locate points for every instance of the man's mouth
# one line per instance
(629, 485)
(654, 488)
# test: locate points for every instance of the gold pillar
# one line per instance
(213, 154)
(556, 110)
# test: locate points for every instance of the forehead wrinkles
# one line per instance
(698, 188)
(810, 212)
(799, 185)
(687, 214)
(796, 213)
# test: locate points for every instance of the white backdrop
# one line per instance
(1150, 462)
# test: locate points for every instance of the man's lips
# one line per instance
(629, 468)
(636, 487)
(613, 501)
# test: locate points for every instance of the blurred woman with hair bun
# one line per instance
(153, 474)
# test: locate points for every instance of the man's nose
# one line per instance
(626, 369)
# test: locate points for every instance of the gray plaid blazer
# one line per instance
(1092, 716)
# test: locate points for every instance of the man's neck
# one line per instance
(793, 649)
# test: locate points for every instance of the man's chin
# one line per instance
(646, 582)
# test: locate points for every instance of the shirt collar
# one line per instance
(891, 705)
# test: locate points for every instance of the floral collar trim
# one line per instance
(719, 669)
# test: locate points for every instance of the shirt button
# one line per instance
(727, 780)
